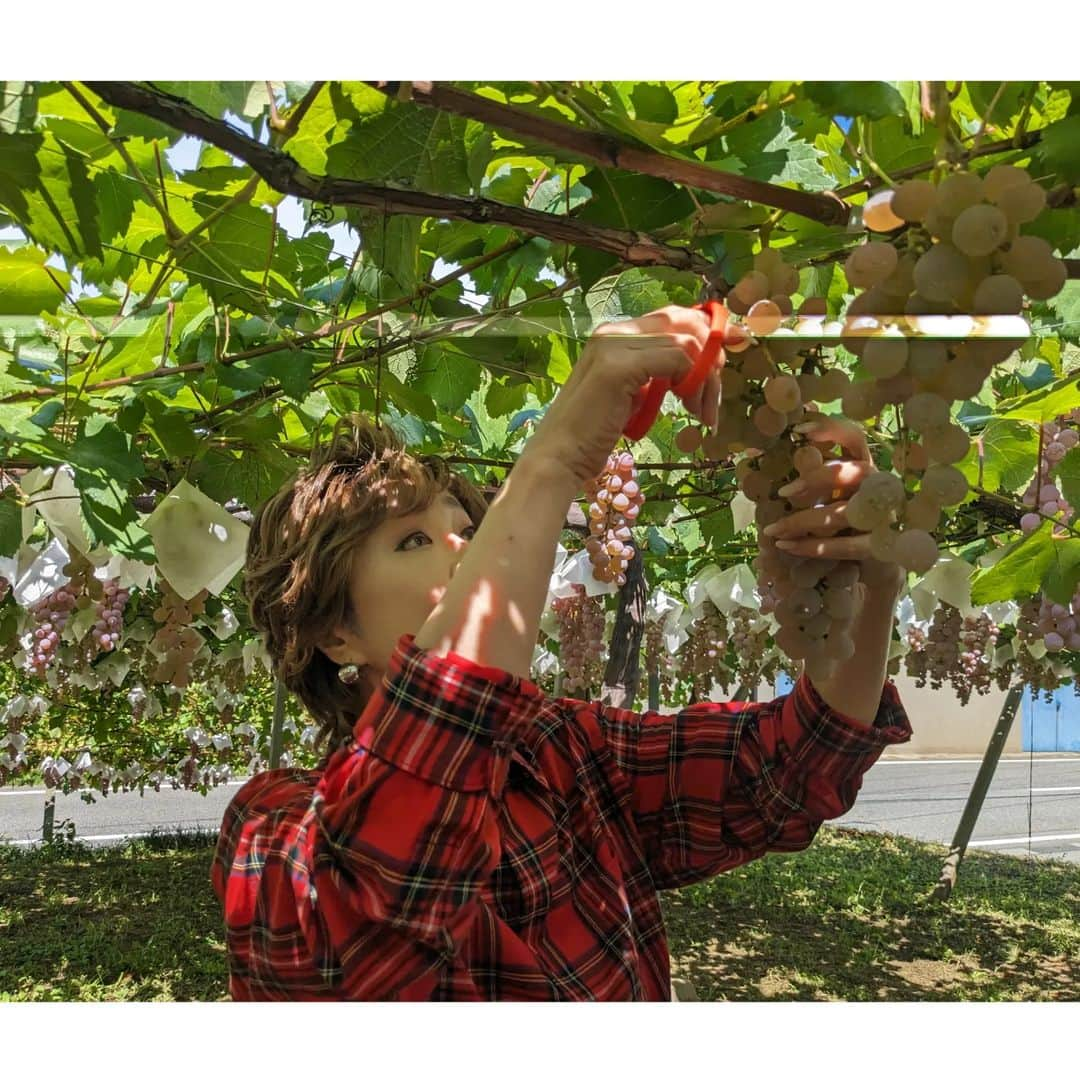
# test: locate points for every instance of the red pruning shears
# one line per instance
(651, 395)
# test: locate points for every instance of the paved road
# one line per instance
(1037, 795)
(922, 799)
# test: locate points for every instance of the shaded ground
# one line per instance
(846, 920)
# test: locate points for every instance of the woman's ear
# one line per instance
(344, 648)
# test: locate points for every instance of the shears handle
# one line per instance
(649, 398)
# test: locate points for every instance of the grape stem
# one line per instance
(986, 117)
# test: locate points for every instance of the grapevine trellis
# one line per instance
(171, 352)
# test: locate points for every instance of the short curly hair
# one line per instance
(301, 548)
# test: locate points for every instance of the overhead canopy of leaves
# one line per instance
(165, 312)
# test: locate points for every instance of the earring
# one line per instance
(349, 674)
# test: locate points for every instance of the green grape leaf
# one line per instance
(213, 97)
(504, 397)
(10, 524)
(626, 200)
(27, 287)
(101, 447)
(445, 376)
(1009, 455)
(1056, 150)
(250, 477)
(873, 99)
(110, 517)
(1066, 308)
(655, 103)
(294, 369)
(1064, 574)
(771, 149)
(1052, 400)
(1018, 573)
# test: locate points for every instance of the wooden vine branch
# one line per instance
(283, 173)
(609, 150)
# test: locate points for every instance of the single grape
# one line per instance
(884, 356)
(752, 287)
(923, 412)
(1022, 203)
(957, 192)
(913, 199)
(688, 439)
(878, 214)
(945, 484)
(870, 263)
(782, 393)
(916, 550)
(980, 230)
(763, 317)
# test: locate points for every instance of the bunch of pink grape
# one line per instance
(1035, 673)
(109, 612)
(701, 657)
(615, 500)
(749, 638)
(177, 638)
(934, 654)
(51, 613)
(5, 588)
(1057, 440)
(978, 639)
(1059, 624)
(581, 639)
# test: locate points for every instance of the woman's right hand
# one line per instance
(588, 414)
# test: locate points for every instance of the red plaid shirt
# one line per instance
(478, 841)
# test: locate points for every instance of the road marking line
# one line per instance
(977, 760)
(104, 836)
(1013, 841)
(150, 790)
(1044, 790)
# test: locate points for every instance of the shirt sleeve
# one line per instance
(718, 784)
(404, 825)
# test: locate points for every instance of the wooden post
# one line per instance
(48, 819)
(978, 793)
(654, 690)
(277, 724)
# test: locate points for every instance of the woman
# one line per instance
(468, 838)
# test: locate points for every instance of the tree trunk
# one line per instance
(624, 668)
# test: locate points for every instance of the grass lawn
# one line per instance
(845, 920)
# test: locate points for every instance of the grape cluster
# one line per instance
(109, 612)
(1058, 438)
(812, 599)
(5, 588)
(978, 639)
(658, 659)
(748, 638)
(615, 500)
(1034, 673)
(935, 653)
(581, 639)
(1059, 624)
(51, 614)
(176, 640)
(960, 253)
(701, 657)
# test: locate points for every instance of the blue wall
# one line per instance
(1047, 727)
(1054, 725)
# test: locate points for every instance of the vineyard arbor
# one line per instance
(180, 320)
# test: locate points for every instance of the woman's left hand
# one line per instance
(820, 498)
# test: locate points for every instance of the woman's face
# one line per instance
(398, 576)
